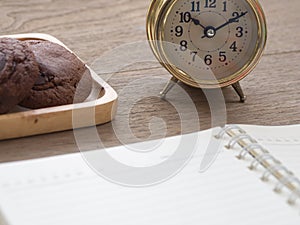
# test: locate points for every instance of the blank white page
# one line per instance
(64, 190)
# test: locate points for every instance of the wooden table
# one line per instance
(93, 28)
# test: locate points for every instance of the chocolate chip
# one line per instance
(41, 80)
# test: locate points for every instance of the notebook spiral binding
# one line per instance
(262, 157)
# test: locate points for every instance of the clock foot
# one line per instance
(237, 87)
(168, 87)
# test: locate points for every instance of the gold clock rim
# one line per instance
(158, 10)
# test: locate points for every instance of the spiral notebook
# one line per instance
(254, 179)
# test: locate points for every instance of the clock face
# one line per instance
(210, 41)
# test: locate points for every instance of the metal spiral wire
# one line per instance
(262, 157)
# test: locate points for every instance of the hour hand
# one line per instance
(197, 23)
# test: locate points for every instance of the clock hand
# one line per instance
(197, 23)
(232, 20)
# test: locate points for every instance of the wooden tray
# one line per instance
(24, 122)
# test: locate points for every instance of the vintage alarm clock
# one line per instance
(194, 40)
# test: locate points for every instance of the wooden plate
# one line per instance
(99, 108)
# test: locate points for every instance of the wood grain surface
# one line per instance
(98, 29)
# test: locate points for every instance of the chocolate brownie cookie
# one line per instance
(60, 72)
(18, 72)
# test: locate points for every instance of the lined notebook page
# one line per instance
(282, 142)
(64, 190)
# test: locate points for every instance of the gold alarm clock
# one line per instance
(207, 43)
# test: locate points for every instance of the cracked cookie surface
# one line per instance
(60, 73)
(18, 72)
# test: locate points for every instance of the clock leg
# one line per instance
(237, 87)
(168, 87)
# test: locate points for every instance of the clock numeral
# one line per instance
(195, 6)
(225, 6)
(185, 17)
(222, 56)
(183, 45)
(236, 14)
(210, 4)
(194, 54)
(240, 32)
(233, 47)
(179, 31)
(208, 60)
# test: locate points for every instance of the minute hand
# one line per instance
(232, 20)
